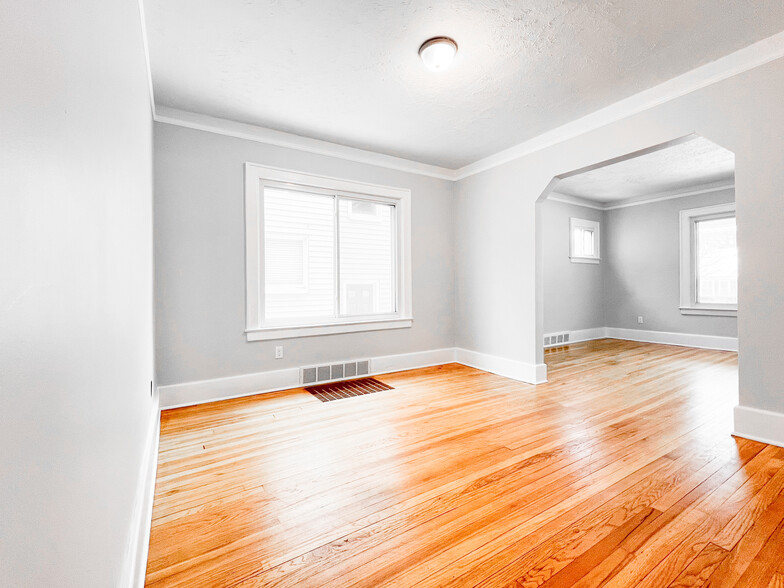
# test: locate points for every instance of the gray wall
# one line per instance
(499, 297)
(76, 331)
(639, 274)
(200, 260)
(573, 292)
(642, 274)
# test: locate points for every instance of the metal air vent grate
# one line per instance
(347, 389)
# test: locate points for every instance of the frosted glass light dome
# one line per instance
(437, 53)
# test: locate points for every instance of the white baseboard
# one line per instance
(198, 392)
(509, 368)
(587, 334)
(663, 337)
(410, 361)
(680, 339)
(201, 391)
(578, 336)
(759, 425)
(139, 543)
(190, 393)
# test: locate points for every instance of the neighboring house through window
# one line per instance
(709, 261)
(324, 255)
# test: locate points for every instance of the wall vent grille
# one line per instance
(556, 339)
(333, 372)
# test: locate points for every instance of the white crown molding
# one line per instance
(146, 47)
(644, 199)
(723, 68)
(239, 130)
(575, 200)
(670, 195)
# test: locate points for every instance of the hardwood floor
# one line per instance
(620, 471)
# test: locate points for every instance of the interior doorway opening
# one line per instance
(641, 247)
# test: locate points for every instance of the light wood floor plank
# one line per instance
(620, 471)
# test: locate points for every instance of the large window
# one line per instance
(709, 261)
(324, 255)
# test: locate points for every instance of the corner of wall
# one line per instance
(453, 188)
(760, 425)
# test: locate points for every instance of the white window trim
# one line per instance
(575, 223)
(688, 278)
(256, 176)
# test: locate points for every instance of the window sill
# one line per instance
(707, 311)
(269, 333)
(584, 260)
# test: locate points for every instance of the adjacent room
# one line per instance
(643, 249)
(369, 294)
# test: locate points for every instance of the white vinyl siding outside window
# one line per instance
(367, 257)
(294, 218)
(324, 255)
(287, 263)
(709, 261)
(583, 241)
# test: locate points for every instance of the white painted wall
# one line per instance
(76, 345)
(496, 284)
(200, 260)
(574, 296)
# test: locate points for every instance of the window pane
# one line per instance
(367, 276)
(286, 268)
(587, 242)
(299, 255)
(583, 242)
(717, 261)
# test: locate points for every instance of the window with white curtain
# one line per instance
(709, 260)
(324, 255)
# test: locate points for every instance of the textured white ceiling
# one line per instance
(347, 71)
(694, 163)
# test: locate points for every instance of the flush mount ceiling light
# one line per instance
(437, 53)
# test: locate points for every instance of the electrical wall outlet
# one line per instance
(278, 351)
(639, 320)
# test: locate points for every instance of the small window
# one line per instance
(584, 241)
(709, 261)
(324, 255)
